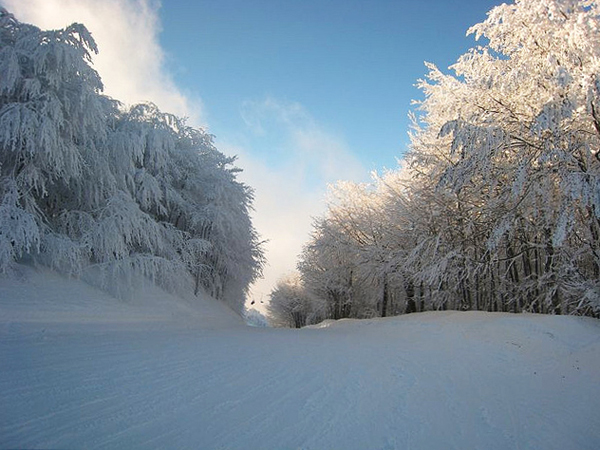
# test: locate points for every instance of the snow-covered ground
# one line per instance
(81, 370)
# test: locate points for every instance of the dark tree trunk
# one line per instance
(409, 288)
(384, 299)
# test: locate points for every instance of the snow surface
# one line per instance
(79, 369)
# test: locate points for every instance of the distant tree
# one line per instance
(291, 305)
(255, 318)
(327, 266)
(354, 261)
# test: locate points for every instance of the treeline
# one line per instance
(107, 192)
(497, 204)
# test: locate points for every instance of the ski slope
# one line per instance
(79, 369)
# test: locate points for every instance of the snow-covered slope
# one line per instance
(81, 370)
(44, 297)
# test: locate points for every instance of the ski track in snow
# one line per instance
(106, 374)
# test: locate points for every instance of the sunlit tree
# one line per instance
(497, 206)
(513, 135)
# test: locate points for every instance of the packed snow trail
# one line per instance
(92, 372)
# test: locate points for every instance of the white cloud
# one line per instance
(130, 60)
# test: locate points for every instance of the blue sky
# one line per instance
(305, 92)
(351, 64)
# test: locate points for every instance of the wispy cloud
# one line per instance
(256, 114)
(131, 61)
(297, 138)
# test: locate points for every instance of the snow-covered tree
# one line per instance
(87, 184)
(327, 268)
(498, 204)
(513, 136)
(291, 305)
(52, 121)
(255, 318)
(351, 266)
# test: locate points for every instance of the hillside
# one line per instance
(82, 370)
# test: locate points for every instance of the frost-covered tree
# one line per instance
(361, 214)
(327, 268)
(291, 305)
(350, 266)
(52, 122)
(255, 318)
(498, 205)
(109, 193)
(182, 181)
(513, 136)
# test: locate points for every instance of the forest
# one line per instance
(496, 204)
(107, 192)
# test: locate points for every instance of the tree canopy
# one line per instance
(107, 192)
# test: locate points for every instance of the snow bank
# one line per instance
(39, 295)
(77, 374)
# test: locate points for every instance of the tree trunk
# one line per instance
(409, 288)
(197, 286)
(385, 295)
